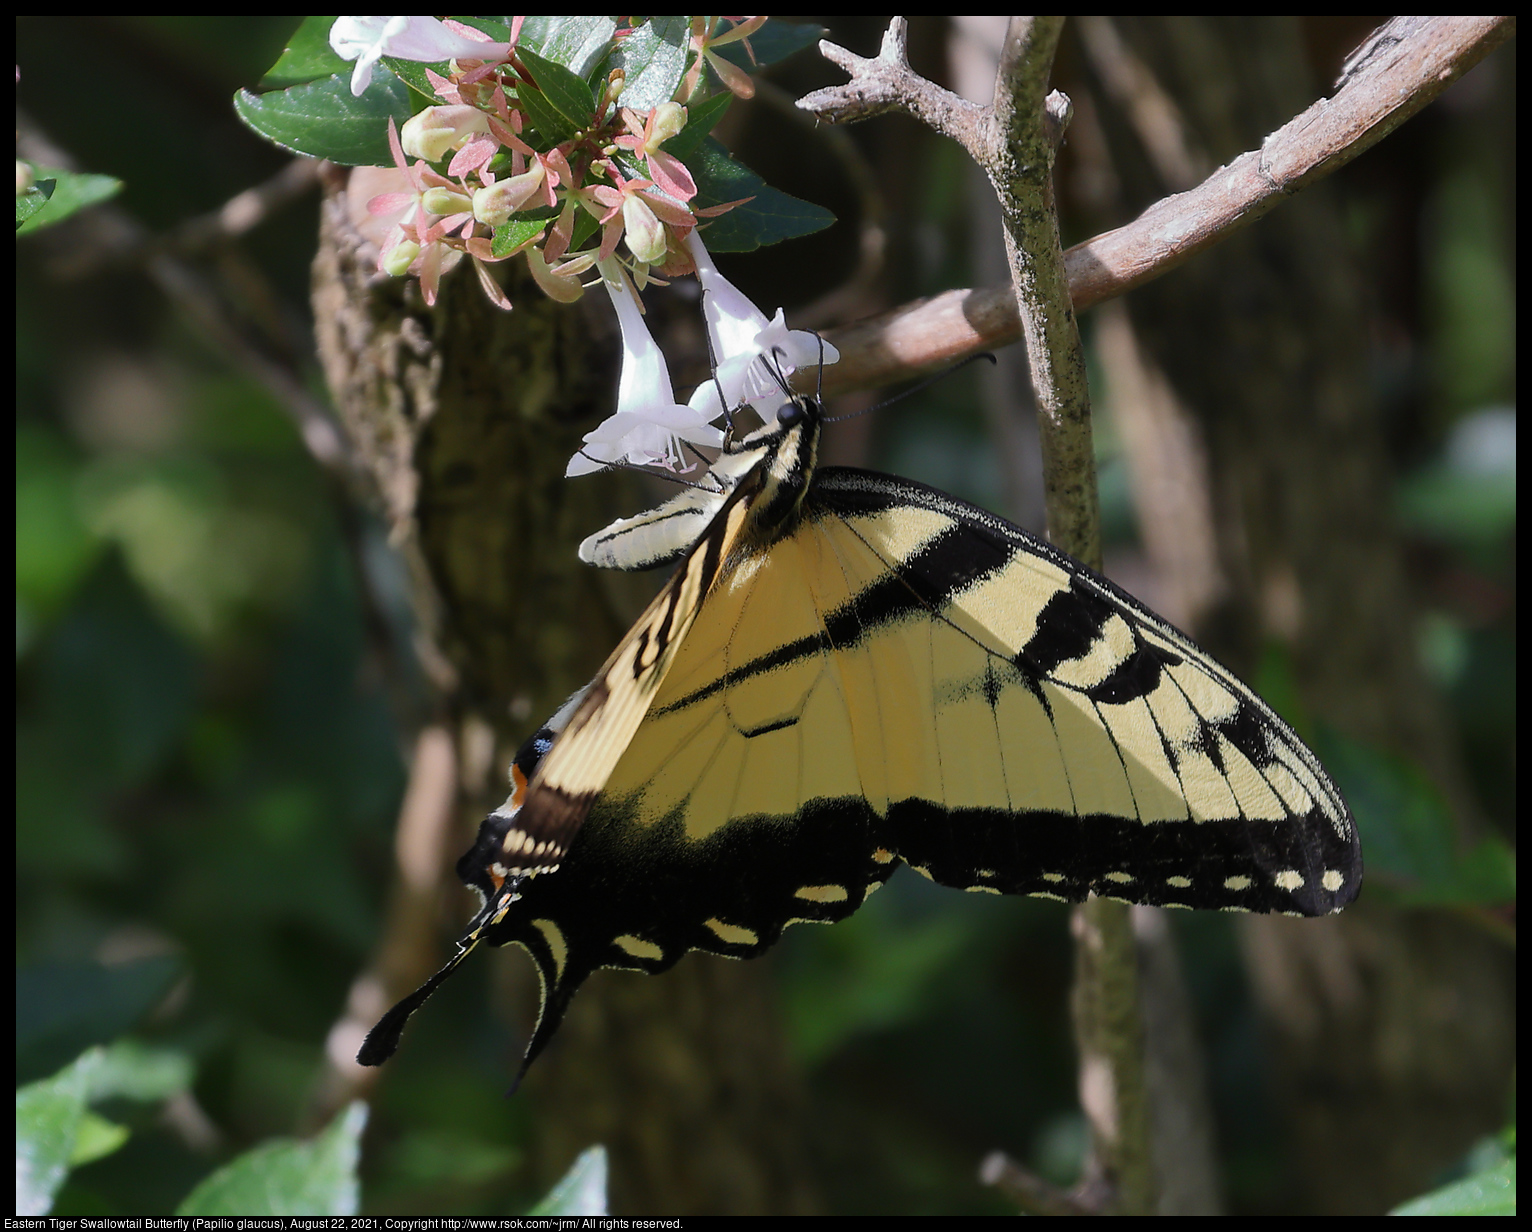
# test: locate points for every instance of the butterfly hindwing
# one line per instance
(639, 894)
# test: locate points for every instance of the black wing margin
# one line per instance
(1132, 764)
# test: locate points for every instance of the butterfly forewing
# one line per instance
(582, 758)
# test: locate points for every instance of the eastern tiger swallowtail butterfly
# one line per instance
(849, 671)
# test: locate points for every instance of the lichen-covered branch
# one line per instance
(887, 83)
(1405, 66)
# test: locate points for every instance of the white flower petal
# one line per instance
(754, 356)
(368, 39)
(650, 424)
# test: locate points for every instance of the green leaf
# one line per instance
(55, 549)
(700, 119)
(582, 1191)
(653, 61)
(577, 43)
(514, 232)
(288, 1177)
(48, 1118)
(771, 215)
(30, 201)
(1491, 1192)
(70, 192)
(446, 1159)
(413, 74)
(307, 57)
(136, 1071)
(559, 104)
(97, 1138)
(585, 226)
(323, 120)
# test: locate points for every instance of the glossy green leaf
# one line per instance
(323, 120)
(48, 1118)
(653, 59)
(576, 43)
(413, 74)
(1491, 1192)
(769, 217)
(307, 57)
(30, 201)
(558, 103)
(513, 233)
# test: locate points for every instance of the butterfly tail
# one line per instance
(560, 972)
(383, 1040)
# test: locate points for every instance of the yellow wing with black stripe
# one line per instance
(869, 672)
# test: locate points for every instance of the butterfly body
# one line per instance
(850, 671)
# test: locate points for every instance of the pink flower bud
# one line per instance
(397, 260)
(496, 202)
(443, 201)
(669, 119)
(645, 234)
(429, 134)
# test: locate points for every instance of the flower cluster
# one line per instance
(567, 209)
(754, 355)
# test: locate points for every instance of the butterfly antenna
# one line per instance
(773, 368)
(712, 360)
(657, 474)
(913, 389)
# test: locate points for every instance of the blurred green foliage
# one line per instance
(208, 768)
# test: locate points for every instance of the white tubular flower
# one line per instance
(748, 348)
(368, 39)
(650, 424)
